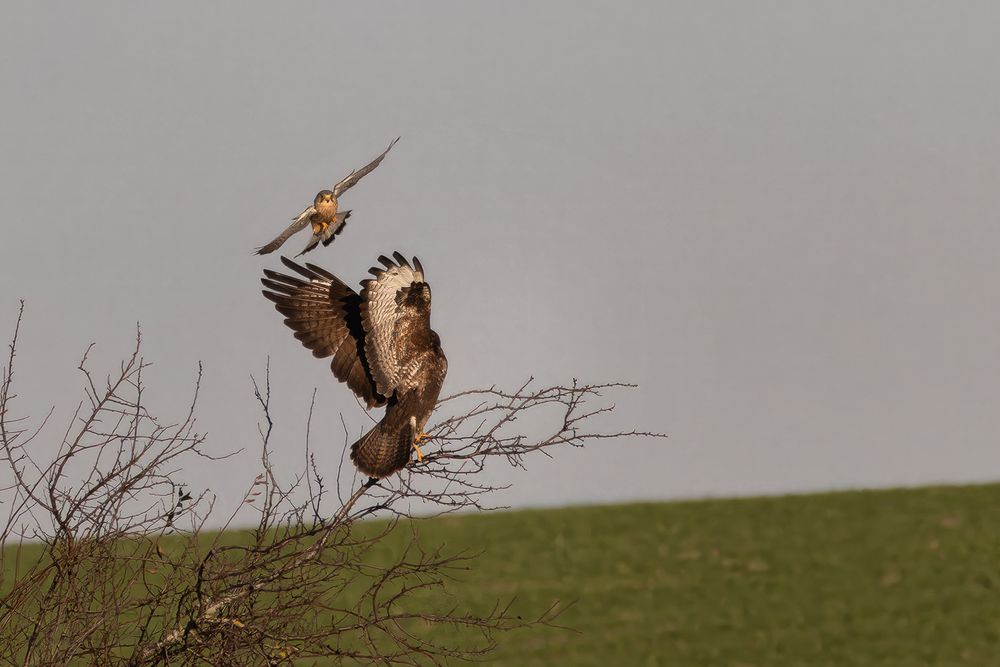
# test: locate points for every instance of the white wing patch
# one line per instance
(378, 316)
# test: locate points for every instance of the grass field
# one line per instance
(901, 577)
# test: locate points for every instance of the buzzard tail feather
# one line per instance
(384, 449)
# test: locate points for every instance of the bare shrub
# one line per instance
(106, 559)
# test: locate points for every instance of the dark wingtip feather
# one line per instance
(386, 261)
(400, 260)
(418, 266)
(296, 267)
(320, 271)
(280, 277)
(286, 286)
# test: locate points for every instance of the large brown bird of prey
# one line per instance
(326, 220)
(382, 346)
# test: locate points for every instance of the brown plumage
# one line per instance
(382, 346)
(323, 215)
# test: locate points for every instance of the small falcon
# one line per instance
(382, 346)
(323, 215)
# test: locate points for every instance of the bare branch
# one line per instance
(126, 572)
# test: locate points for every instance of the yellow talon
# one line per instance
(421, 437)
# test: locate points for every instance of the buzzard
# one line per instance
(382, 346)
(323, 215)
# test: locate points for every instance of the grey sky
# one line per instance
(780, 219)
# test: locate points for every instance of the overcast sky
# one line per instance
(782, 220)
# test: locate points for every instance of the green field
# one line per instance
(901, 577)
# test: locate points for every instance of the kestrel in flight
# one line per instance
(382, 346)
(323, 215)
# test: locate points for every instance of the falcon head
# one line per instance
(323, 197)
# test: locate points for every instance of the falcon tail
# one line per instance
(326, 236)
(384, 449)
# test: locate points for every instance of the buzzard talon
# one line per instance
(326, 221)
(419, 440)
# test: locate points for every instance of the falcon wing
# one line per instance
(355, 176)
(298, 224)
(381, 316)
(326, 317)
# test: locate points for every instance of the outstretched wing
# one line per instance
(382, 315)
(348, 182)
(298, 224)
(326, 317)
(385, 321)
